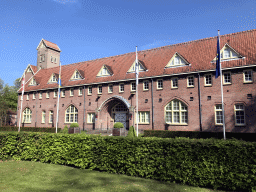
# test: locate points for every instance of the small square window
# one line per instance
(145, 85)
(27, 96)
(226, 78)
(63, 93)
(121, 87)
(47, 94)
(90, 90)
(248, 76)
(72, 92)
(110, 88)
(159, 84)
(34, 96)
(55, 93)
(80, 91)
(90, 117)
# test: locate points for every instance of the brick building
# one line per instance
(177, 87)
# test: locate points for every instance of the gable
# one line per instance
(53, 78)
(76, 76)
(228, 53)
(132, 68)
(104, 71)
(176, 60)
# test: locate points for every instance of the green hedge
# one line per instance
(198, 135)
(118, 125)
(31, 129)
(208, 163)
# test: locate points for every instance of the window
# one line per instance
(100, 89)
(159, 84)
(43, 116)
(90, 90)
(27, 96)
(218, 114)
(40, 95)
(226, 78)
(208, 80)
(176, 112)
(176, 60)
(71, 92)
(63, 93)
(145, 85)
(133, 86)
(27, 115)
(47, 94)
(90, 117)
(121, 87)
(34, 95)
(80, 91)
(227, 53)
(71, 114)
(41, 58)
(21, 98)
(132, 68)
(50, 116)
(174, 82)
(239, 114)
(190, 81)
(55, 60)
(53, 79)
(143, 117)
(248, 76)
(55, 93)
(110, 88)
(32, 82)
(76, 75)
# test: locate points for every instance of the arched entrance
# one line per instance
(112, 110)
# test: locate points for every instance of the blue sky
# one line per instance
(90, 29)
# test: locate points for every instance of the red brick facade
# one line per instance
(153, 101)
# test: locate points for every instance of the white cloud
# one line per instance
(65, 1)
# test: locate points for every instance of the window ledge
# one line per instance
(80, 95)
(190, 86)
(248, 82)
(237, 125)
(159, 89)
(180, 124)
(174, 88)
(145, 90)
(208, 85)
(143, 123)
(227, 83)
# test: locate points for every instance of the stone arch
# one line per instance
(128, 105)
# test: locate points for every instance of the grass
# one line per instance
(24, 176)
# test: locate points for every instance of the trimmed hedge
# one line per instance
(118, 125)
(208, 163)
(74, 125)
(131, 132)
(31, 129)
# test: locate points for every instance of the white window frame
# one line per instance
(144, 83)
(34, 95)
(47, 95)
(180, 111)
(90, 118)
(80, 91)
(52, 59)
(63, 93)
(27, 96)
(218, 110)
(121, 84)
(72, 113)
(141, 115)
(245, 71)
(172, 82)
(227, 83)
(71, 92)
(55, 93)
(205, 76)
(109, 90)
(188, 85)
(236, 110)
(99, 89)
(230, 54)
(90, 90)
(157, 84)
(133, 83)
(27, 115)
(50, 116)
(43, 116)
(40, 95)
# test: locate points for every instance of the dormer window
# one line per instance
(32, 82)
(104, 71)
(176, 60)
(54, 79)
(133, 67)
(228, 53)
(76, 75)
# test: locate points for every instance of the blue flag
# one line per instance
(217, 74)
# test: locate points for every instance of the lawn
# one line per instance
(24, 176)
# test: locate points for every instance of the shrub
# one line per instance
(65, 130)
(118, 125)
(131, 132)
(74, 125)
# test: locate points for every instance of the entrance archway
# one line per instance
(114, 109)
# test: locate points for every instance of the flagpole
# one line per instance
(137, 93)
(58, 99)
(222, 103)
(23, 86)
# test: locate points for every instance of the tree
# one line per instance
(1, 84)
(17, 84)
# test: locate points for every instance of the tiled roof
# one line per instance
(51, 45)
(199, 54)
(34, 68)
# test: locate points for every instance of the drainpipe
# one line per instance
(152, 100)
(84, 110)
(200, 107)
(36, 109)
